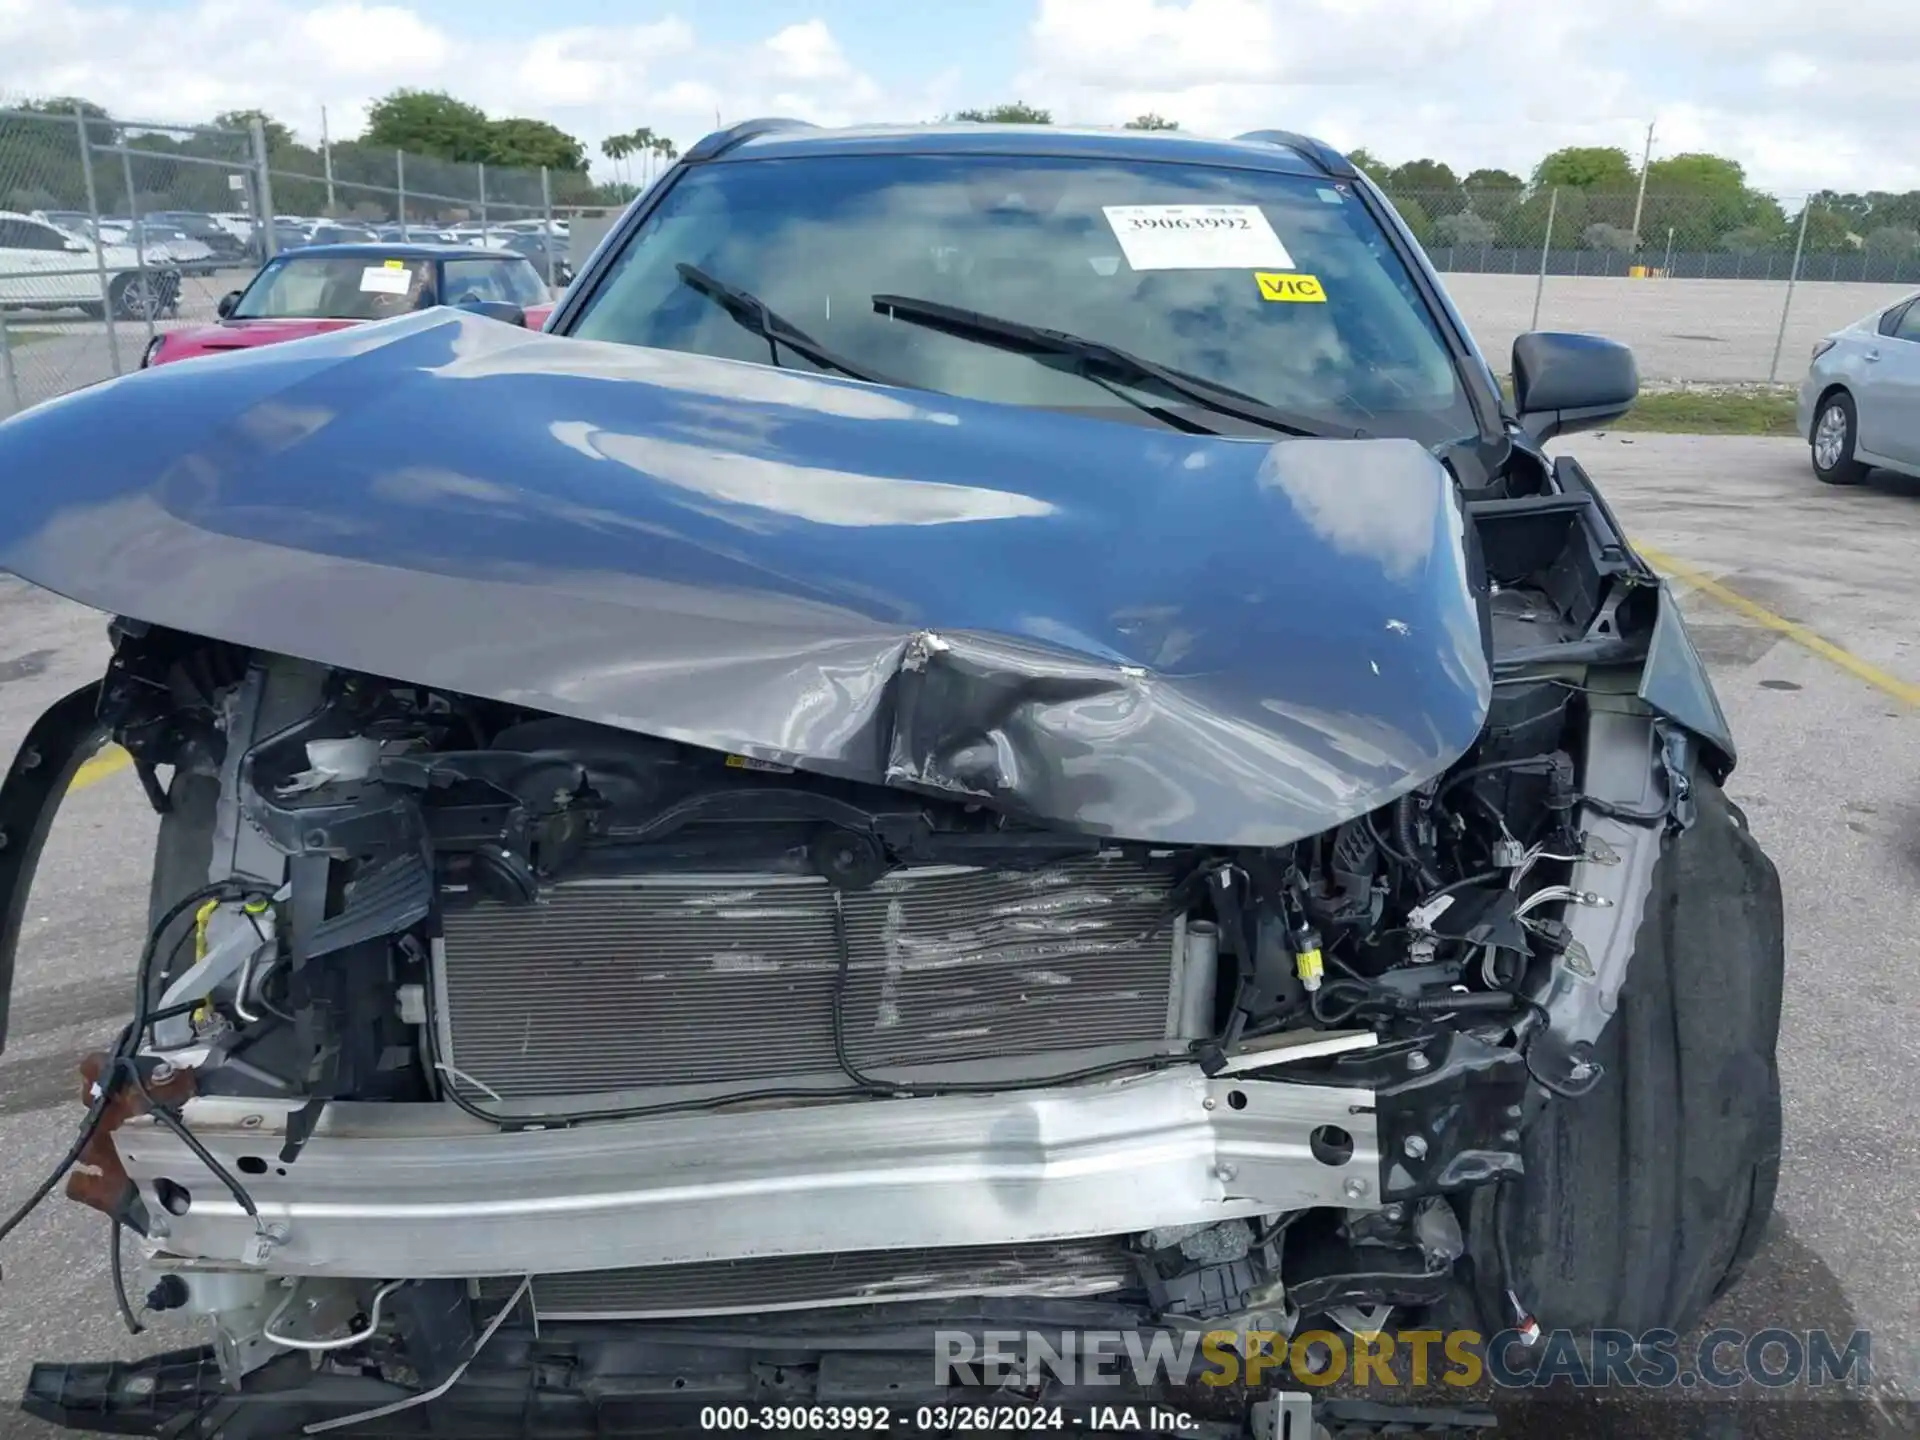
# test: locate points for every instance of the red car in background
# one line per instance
(329, 287)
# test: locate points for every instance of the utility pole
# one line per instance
(1641, 199)
(326, 159)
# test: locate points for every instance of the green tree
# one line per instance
(1419, 221)
(531, 144)
(1698, 174)
(1703, 199)
(1494, 196)
(1016, 112)
(1829, 227)
(1151, 121)
(1491, 182)
(1465, 230)
(1586, 167)
(1365, 160)
(40, 159)
(1432, 180)
(620, 148)
(1886, 208)
(1892, 242)
(1747, 239)
(1526, 225)
(279, 137)
(653, 150)
(429, 122)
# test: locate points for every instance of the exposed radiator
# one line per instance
(1067, 1269)
(658, 980)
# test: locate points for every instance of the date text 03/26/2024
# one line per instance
(939, 1419)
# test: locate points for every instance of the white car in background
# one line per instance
(240, 226)
(492, 236)
(165, 245)
(1860, 403)
(43, 267)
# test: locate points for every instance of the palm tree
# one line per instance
(640, 141)
(616, 148)
(665, 149)
(641, 138)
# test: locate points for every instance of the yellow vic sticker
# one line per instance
(396, 264)
(1301, 289)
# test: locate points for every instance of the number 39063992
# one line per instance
(1191, 222)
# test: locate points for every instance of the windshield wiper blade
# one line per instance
(752, 313)
(1100, 361)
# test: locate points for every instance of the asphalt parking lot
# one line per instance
(1772, 567)
(1680, 330)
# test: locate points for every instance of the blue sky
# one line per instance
(1473, 82)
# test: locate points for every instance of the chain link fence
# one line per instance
(112, 230)
(1717, 289)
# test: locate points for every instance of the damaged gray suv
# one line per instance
(997, 730)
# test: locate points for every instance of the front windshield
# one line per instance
(337, 287)
(513, 281)
(1281, 286)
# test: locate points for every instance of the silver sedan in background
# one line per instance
(1860, 403)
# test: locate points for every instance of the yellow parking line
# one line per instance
(1780, 625)
(107, 762)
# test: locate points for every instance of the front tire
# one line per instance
(136, 297)
(1836, 426)
(1643, 1201)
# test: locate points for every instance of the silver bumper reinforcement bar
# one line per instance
(424, 1191)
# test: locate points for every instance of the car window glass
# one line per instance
(1319, 316)
(513, 281)
(337, 287)
(1909, 327)
(30, 235)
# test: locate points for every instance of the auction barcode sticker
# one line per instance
(1197, 237)
(379, 280)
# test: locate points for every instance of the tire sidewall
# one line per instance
(119, 290)
(1845, 470)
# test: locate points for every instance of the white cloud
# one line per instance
(290, 59)
(1826, 102)
(1501, 82)
(595, 65)
(808, 51)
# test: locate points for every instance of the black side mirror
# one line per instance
(495, 310)
(227, 301)
(1571, 382)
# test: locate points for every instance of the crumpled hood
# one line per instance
(1120, 630)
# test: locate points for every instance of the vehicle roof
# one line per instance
(375, 249)
(1172, 146)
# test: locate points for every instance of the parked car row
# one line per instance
(197, 243)
(45, 266)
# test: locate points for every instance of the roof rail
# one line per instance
(712, 146)
(1317, 152)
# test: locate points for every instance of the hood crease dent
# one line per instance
(1135, 633)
